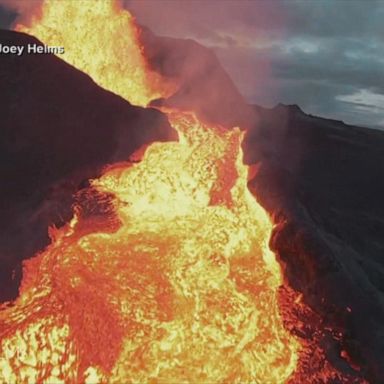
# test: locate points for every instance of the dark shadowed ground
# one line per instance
(323, 182)
(57, 129)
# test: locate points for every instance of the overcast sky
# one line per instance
(325, 55)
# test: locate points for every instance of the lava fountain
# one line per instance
(164, 274)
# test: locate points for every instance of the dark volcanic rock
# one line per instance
(57, 128)
(323, 182)
(203, 85)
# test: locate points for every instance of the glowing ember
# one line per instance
(170, 279)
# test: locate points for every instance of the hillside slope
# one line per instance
(323, 182)
(57, 128)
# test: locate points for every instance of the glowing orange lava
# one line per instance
(101, 40)
(170, 278)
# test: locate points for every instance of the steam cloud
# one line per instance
(24, 8)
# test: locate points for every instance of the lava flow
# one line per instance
(164, 274)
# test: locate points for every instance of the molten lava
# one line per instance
(98, 40)
(164, 274)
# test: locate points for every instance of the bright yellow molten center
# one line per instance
(172, 280)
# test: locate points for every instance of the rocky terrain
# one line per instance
(322, 181)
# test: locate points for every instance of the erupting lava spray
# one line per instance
(164, 273)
